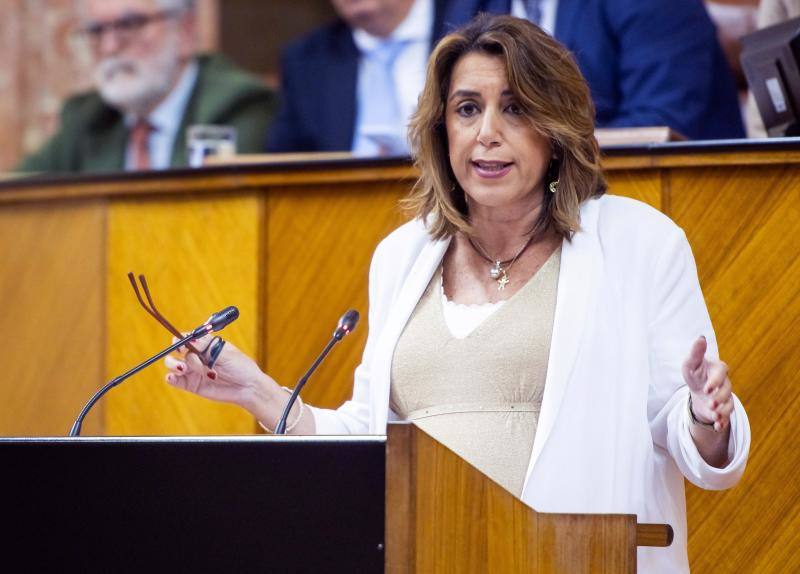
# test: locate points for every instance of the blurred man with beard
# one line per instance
(150, 87)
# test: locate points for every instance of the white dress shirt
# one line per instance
(166, 120)
(409, 68)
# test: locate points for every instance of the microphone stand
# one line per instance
(346, 325)
(280, 428)
(76, 427)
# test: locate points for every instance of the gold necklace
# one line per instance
(499, 269)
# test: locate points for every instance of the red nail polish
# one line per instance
(180, 368)
(212, 375)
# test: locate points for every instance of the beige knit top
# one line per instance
(480, 396)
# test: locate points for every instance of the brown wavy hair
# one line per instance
(555, 99)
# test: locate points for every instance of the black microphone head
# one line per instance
(221, 319)
(346, 324)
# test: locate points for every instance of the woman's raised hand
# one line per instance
(712, 395)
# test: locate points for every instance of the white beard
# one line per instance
(134, 85)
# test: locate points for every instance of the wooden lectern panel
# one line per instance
(443, 515)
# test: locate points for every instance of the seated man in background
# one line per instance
(353, 84)
(151, 86)
(647, 62)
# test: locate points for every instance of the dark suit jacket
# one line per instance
(93, 137)
(318, 94)
(647, 62)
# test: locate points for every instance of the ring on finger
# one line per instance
(214, 350)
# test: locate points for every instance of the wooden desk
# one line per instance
(290, 245)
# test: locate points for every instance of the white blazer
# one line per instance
(613, 433)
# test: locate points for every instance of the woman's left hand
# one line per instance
(712, 396)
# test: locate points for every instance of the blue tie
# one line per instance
(533, 10)
(381, 122)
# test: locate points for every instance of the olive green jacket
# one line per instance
(93, 135)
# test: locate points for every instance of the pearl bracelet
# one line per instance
(297, 420)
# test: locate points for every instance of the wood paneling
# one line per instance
(317, 268)
(645, 186)
(53, 342)
(199, 255)
(742, 221)
(290, 245)
(744, 224)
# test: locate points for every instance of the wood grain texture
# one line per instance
(318, 253)
(462, 522)
(401, 454)
(199, 255)
(212, 181)
(743, 226)
(53, 318)
(654, 535)
(645, 186)
(585, 543)
(299, 273)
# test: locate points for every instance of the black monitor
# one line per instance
(770, 59)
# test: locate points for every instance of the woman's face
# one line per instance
(499, 160)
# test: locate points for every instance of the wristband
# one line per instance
(695, 420)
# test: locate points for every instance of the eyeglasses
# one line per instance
(125, 28)
(214, 347)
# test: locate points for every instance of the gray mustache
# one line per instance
(111, 67)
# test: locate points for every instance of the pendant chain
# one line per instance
(499, 270)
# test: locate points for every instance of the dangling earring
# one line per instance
(553, 169)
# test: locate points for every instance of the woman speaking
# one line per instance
(553, 336)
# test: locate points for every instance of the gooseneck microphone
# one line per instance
(216, 322)
(346, 325)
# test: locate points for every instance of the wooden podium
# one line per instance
(443, 515)
(401, 503)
